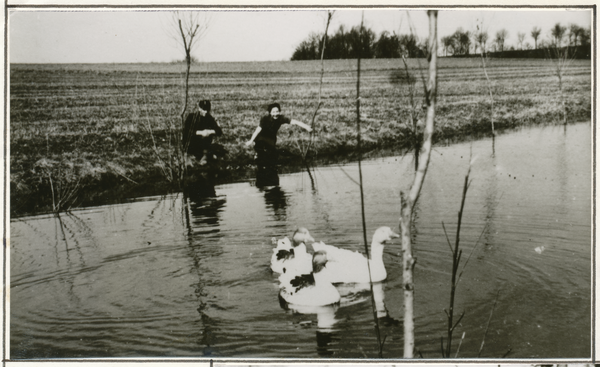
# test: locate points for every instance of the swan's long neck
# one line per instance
(300, 250)
(376, 253)
(319, 278)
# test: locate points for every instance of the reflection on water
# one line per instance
(327, 329)
(267, 176)
(326, 332)
(201, 186)
(202, 208)
(187, 275)
(267, 181)
(276, 200)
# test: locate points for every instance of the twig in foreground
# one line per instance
(488, 324)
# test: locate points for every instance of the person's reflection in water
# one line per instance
(202, 219)
(267, 176)
(200, 187)
(204, 205)
(267, 180)
(327, 336)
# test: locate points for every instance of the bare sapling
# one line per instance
(414, 118)
(306, 150)
(362, 196)
(481, 39)
(319, 102)
(164, 163)
(63, 195)
(456, 257)
(63, 177)
(416, 108)
(190, 27)
(64, 180)
(561, 57)
(408, 201)
(456, 252)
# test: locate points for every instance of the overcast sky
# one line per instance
(259, 34)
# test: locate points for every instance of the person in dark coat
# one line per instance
(198, 132)
(265, 135)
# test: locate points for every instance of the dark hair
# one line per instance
(204, 104)
(273, 105)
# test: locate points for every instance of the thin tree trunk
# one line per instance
(456, 255)
(412, 114)
(407, 202)
(319, 103)
(562, 97)
(408, 264)
(563, 59)
(183, 156)
(187, 44)
(362, 196)
(490, 92)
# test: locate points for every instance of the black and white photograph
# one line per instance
(293, 184)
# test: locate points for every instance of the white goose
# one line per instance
(280, 253)
(345, 266)
(309, 289)
(292, 256)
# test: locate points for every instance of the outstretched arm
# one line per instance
(256, 132)
(301, 124)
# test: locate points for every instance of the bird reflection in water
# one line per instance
(353, 293)
(326, 334)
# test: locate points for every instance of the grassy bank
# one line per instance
(85, 134)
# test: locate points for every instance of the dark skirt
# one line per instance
(266, 154)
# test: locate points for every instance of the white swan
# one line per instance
(345, 266)
(309, 289)
(292, 256)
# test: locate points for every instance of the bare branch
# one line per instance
(192, 26)
(447, 239)
(459, 319)
(472, 251)
(459, 344)
(488, 325)
(319, 103)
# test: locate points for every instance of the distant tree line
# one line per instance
(464, 43)
(349, 44)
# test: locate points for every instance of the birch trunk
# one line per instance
(407, 202)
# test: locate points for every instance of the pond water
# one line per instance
(188, 275)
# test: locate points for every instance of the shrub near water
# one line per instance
(87, 127)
